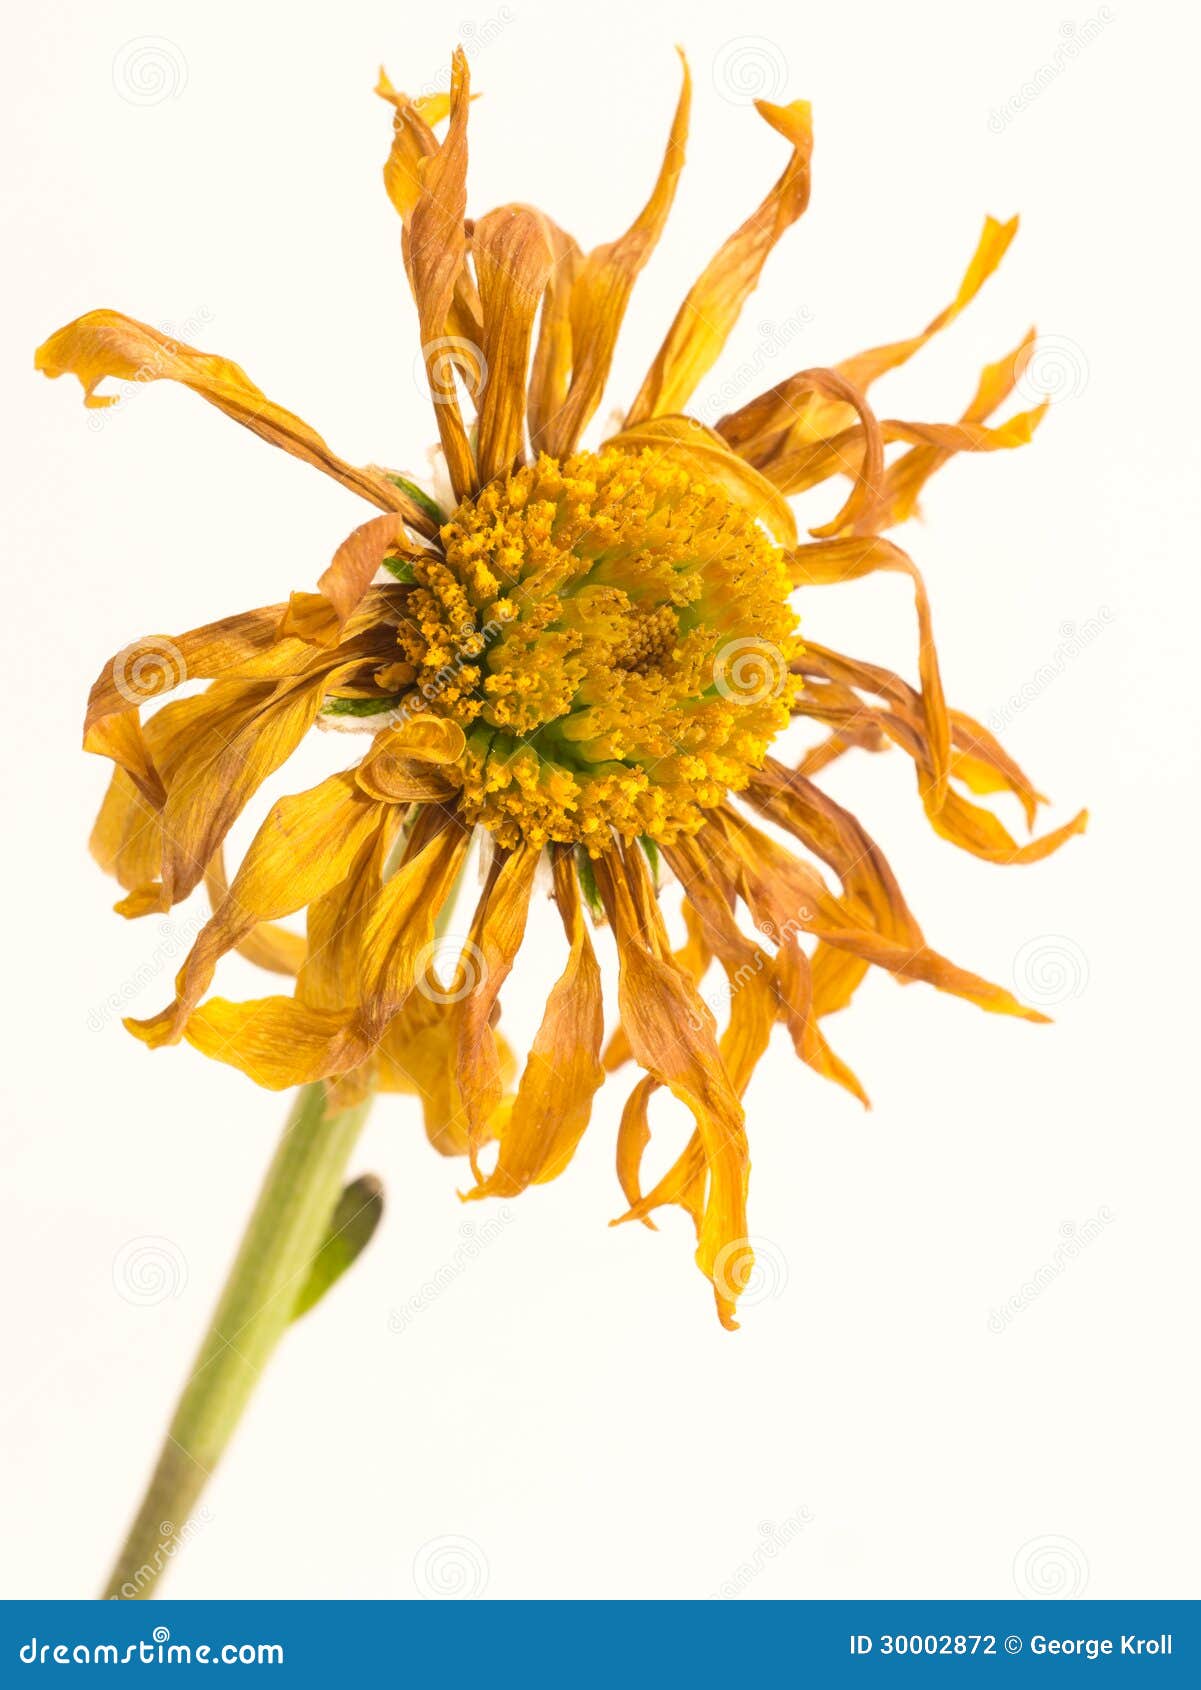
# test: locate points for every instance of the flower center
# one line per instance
(613, 635)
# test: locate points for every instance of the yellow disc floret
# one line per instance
(613, 635)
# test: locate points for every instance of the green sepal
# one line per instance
(588, 886)
(361, 706)
(359, 1211)
(402, 569)
(419, 496)
(651, 852)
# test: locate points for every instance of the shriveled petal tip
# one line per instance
(513, 260)
(905, 479)
(547, 1118)
(432, 109)
(270, 946)
(866, 367)
(428, 184)
(713, 303)
(104, 344)
(359, 557)
(277, 1042)
(671, 1034)
(834, 684)
(832, 561)
(410, 762)
(601, 285)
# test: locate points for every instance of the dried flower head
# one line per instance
(582, 661)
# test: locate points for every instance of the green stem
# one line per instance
(284, 1234)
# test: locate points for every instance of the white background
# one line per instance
(568, 1409)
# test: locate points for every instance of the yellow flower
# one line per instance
(584, 664)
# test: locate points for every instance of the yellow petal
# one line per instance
(436, 253)
(798, 436)
(357, 560)
(955, 819)
(831, 561)
(600, 293)
(268, 945)
(867, 367)
(904, 479)
(512, 262)
(410, 762)
(713, 303)
(693, 956)
(416, 1056)
(337, 920)
(106, 344)
(799, 1010)
(672, 1036)
(551, 370)
(563, 1070)
(399, 932)
(495, 936)
(307, 844)
(250, 731)
(791, 893)
(413, 140)
(378, 939)
(278, 1042)
(246, 646)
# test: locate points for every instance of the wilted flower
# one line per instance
(582, 661)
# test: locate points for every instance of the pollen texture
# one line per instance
(614, 636)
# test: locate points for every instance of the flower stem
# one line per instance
(284, 1234)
